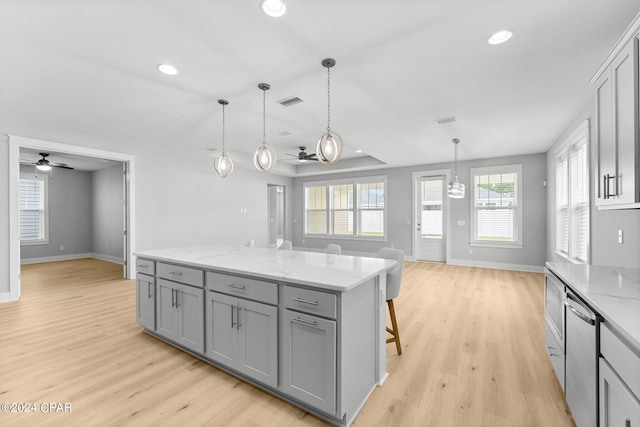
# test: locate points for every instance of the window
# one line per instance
(33, 203)
(572, 197)
(346, 208)
(496, 206)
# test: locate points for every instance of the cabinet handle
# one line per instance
(299, 320)
(304, 301)
(551, 354)
(605, 191)
(176, 273)
(143, 265)
(177, 300)
(173, 297)
(149, 296)
(607, 186)
(231, 285)
(627, 423)
(238, 317)
(233, 324)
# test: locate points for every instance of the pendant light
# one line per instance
(223, 164)
(455, 189)
(265, 157)
(329, 146)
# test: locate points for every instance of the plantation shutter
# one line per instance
(579, 201)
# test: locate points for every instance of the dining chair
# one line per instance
(394, 280)
(333, 249)
(286, 245)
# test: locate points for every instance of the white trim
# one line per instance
(446, 214)
(625, 38)
(70, 257)
(497, 265)
(581, 131)
(17, 142)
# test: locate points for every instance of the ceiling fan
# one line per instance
(45, 165)
(303, 157)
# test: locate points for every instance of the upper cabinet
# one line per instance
(617, 183)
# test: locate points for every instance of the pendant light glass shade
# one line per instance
(329, 148)
(455, 189)
(265, 157)
(223, 164)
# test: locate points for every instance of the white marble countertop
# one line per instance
(326, 271)
(613, 292)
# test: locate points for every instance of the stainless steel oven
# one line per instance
(554, 319)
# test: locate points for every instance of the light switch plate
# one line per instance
(462, 222)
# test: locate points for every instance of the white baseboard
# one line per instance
(70, 257)
(7, 297)
(497, 265)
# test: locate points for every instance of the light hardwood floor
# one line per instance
(473, 355)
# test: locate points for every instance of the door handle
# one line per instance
(238, 317)
(177, 298)
(627, 423)
(173, 297)
(233, 324)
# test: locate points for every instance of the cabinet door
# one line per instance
(190, 306)
(604, 130)
(146, 301)
(221, 327)
(309, 344)
(258, 341)
(618, 406)
(625, 96)
(166, 312)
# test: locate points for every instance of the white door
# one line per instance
(430, 236)
(275, 206)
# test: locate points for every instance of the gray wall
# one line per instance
(604, 246)
(399, 210)
(107, 221)
(69, 215)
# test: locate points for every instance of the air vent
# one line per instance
(445, 120)
(288, 102)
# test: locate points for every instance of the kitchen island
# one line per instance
(307, 327)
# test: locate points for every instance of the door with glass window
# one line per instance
(430, 238)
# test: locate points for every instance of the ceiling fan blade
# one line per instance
(292, 155)
(60, 165)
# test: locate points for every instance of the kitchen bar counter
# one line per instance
(613, 292)
(307, 327)
(331, 272)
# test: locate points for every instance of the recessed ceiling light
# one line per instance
(500, 37)
(275, 8)
(167, 69)
(358, 151)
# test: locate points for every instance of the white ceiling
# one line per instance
(84, 72)
(79, 163)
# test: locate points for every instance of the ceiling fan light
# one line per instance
(223, 165)
(455, 189)
(265, 158)
(500, 37)
(329, 148)
(274, 8)
(44, 167)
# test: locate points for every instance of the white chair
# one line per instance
(286, 245)
(333, 249)
(394, 279)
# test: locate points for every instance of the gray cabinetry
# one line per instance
(309, 344)
(243, 335)
(146, 301)
(619, 381)
(617, 125)
(618, 406)
(180, 314)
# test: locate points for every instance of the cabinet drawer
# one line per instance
(145, 266)
(243, 287)
(622, 359)
(309, 301)
(555, 352)
(178, 273)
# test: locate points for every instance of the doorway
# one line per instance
(275, 220)
(430, 216)
(126, 238)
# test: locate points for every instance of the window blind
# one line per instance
(31, 205)
(495, 207)
(431, 208)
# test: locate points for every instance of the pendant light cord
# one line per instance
(264, 116)
(455, 164)
(328, 99)
(222, 128)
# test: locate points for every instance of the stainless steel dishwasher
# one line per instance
(581, 368)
